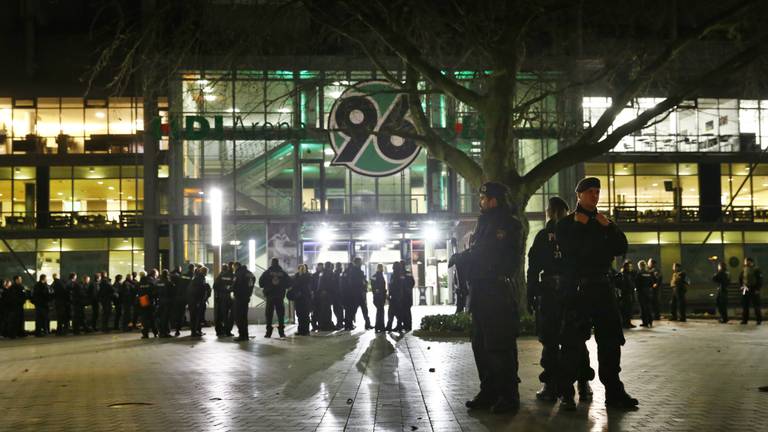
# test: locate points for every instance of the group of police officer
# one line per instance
(569, 289)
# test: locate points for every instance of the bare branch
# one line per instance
(411, 55)
(584, 149)
(437, 147)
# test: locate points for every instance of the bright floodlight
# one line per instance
(324, 235)
(216, 202)
(252, 254)
(378, 233)
(431, 233)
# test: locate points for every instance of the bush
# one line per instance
(455, 325)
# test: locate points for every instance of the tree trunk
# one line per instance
(517, 262)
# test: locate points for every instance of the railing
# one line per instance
(683, 215)
(76, 220)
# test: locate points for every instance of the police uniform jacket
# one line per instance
(379, 287)
(77, 294)
(147, 287)
(590, 248)
(60, 293)
(274, 281)
(544, 258)
(492, 253)
(356, 283)
(165, 291)
(243, 285)
(222, 286)
(106, 290)
(41, 295)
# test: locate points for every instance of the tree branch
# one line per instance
(436, 146)
(585, 148)
(411, 55)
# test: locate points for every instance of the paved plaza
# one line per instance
(697, 376)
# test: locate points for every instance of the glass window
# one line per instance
(83, 244)
(642, 237)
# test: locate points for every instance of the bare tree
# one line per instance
(621, 50)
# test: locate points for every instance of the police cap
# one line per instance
(556, 202)
(586, 183)
(494, 190)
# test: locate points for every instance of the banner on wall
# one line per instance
(368, 129)
(282, 243)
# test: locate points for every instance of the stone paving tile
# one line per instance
(688, 376)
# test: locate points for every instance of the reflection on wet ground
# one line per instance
(689, 376)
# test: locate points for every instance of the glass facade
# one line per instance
(697, 125)
(61, 125)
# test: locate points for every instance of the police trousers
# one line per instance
(549, 324)
(592, 305)
(275, 304)
(495, 324)
(752, 297)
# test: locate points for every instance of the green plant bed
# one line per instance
(460, 325)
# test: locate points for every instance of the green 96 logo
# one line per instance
(364, 125)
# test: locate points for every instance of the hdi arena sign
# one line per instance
(363, 128)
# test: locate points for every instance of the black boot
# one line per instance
(621, 400)
(505, 406)
(567, 403)
(269, 332)
(481, 401)
(547, 393)
(281, 332)
(585, 391)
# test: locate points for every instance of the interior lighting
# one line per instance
(100, 182)
(111, 187)
(210, 97)
(654, 184)
(329, 151)
(91, 170)
(216, 201)
(100, 114)
(252, 254)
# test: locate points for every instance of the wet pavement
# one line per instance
(696, 376)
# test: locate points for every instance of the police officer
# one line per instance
(117, 301)
(14, 298)
(106, 295)
(315, 287)
(41, 297)
(750, 281)
(62, 303)
(658, 279)
(326, 284)
(77, 300)
(301, 296)
(165, 298)
(379, 288)
(405, 308)
(337, 294)
(274, 281)
(589, 242)
(722, 279)
(92, 287)
(679, 283)
(625, 280)
(489, 261)
(127, 294)
(395, 296)
(243, 289)
(222, 301)
(546, 300)
(181, 282)
(196, 296)
(147, 298)
(358, 280)
(644, 285)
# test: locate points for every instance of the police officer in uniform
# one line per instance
(77, 300)
(147, 296)
(274, 281)
(589, 242)
(243, 289)
(196, 296)
(545, 299)
(41, 297)
(489, 262)
(222, 301)
(181, 282)
(62, 303)
(165, 297)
